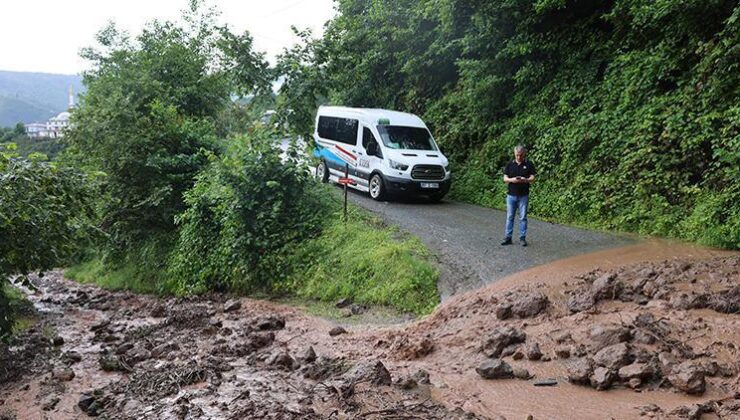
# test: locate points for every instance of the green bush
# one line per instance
(245, 207)
(46, 217)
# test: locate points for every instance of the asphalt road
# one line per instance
(466, 239)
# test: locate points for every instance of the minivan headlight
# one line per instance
(397, 165)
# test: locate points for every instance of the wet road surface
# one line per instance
(466, 239)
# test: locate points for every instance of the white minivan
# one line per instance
(384, 152)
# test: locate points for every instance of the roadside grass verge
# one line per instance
(126, 277)
(361, 259)
(19, 308)
(367, 262)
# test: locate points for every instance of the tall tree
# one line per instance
(150, 112)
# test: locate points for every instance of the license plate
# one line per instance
(429, 185)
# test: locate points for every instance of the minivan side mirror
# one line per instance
(372, 148)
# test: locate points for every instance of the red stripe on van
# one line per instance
(347, 153)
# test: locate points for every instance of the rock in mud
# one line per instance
(50, 403)
(374, 372)
(257, 341)
(495, 369)
(602, 378)
(164, 349)
(406, 348)
(667, 362)
(422, 376)
(111, 363)
(726, 302)
(503, 311)
(691, 300)
(138, 354)
(500, 338)
(232, 305)
(562, 337)
(64, 374)
(85, 404)
(71, 357)
(337, 331)
(636, 370)
(580, 301)
(57, 341)
(521, 373)
(270, 323)
(606, 287)
(613, 357)
(509, 350)
(532, 351)
(607, 335)
(689, 378)
(323, 368)
(99, 326)
(158, 311)
(308, 355)
(124, 348)
(562, 352)
(580, 370)
(281, 359)
(529, 305)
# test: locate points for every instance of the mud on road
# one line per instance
(650, 339)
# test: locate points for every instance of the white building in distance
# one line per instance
(54, 128)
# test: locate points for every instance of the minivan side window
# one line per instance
(367, 137)
(343, 130)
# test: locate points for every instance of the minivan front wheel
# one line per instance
(377, 189)
(322, 173)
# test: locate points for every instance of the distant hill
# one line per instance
(34, 97)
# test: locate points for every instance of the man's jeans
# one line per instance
(512, 202)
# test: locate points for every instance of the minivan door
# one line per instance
(368, 162)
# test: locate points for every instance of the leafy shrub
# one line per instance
(243, 209)
(46, 216)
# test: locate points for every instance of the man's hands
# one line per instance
(519, 179)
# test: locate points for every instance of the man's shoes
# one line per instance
(522, 241)
(506, 241)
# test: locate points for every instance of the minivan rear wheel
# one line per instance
(322, 173)
(377, 189)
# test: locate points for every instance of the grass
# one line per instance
(126, 277)
(369, 263)
(20, 308)
(361, 259)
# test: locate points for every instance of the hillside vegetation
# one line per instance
(630, 108)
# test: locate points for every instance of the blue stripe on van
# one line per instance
(322, 152)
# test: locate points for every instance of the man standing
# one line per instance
(518, 173)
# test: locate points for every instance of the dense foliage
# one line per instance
(45, 219)
(153, 112)
(244, 208)
(630, 107)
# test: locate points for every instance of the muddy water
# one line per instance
(459, 325)
(250, 388)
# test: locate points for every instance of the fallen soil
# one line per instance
(651, 330)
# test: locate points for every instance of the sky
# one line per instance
(47, 35)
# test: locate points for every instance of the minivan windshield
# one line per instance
(400, 137)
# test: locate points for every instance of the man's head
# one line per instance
(520, 152)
